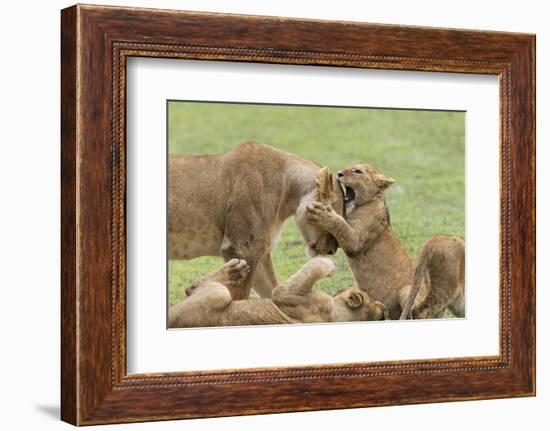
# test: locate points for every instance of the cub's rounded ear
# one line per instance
(355, 300)
(383, 181)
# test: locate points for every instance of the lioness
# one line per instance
(209, 303)
(438, 279)
(234, 205)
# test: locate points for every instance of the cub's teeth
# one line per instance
(343, 187)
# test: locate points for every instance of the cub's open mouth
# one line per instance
(349, 194)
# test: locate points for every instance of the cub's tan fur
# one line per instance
(234, 205)
(209, 302)
(438, 279)
(380, 264)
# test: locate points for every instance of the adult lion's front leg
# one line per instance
(265, 279)
(253, 254)
(248, 237)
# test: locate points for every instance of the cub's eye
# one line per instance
(357, 171)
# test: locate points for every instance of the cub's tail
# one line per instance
(419, 275)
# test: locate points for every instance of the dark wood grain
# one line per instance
(68, 218)
(96, 41)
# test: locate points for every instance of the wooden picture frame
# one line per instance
(95, 43)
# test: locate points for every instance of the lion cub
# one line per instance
(380, 264)
(209, 302)
(438, 279)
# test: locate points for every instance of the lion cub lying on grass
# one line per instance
(380, 264)
(209, 302)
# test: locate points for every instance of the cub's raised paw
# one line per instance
(231, 273)
(323, 264)
(318, 212)
(237, 270)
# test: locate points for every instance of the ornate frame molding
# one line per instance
(96, 41)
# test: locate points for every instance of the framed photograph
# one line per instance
(264, 215)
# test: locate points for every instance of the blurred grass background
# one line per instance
(424, 151)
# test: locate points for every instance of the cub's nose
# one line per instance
(340, 174)
(190, 290)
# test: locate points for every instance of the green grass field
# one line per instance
(423, 151)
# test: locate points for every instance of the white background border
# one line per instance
(152, 348)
